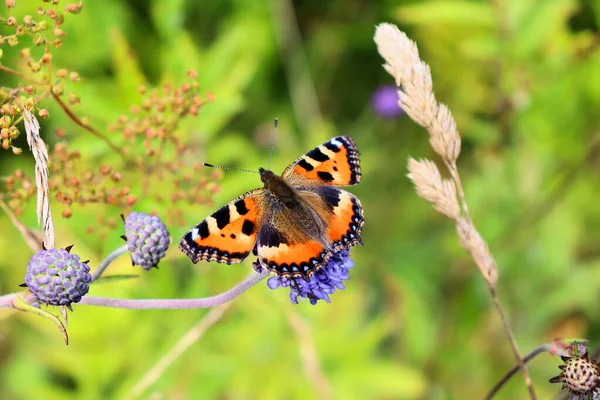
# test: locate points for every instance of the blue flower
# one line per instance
(321, 284)
(385, 102)
(57, 277)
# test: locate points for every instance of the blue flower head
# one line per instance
(385, 102)
(321, 284)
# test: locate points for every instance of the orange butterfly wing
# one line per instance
(335, 162)
(289, 255)
(229, 234)
(347, 219)
(283, 248)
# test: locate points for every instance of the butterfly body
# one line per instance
(295, 222)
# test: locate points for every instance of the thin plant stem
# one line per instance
(511, 338)
(309, 355)
(191, 337)
(514, 346)
(19, 74)
(538, 350)
(87, 127)
(31, 237)
(7, 301)
(108, 260)
(205, 302)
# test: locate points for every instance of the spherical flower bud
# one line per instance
(147, 239)
(57, 277)
(320, 284)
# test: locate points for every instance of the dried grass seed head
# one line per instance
(430, 185)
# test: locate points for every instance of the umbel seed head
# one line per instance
(57, 277)
(579, 375)
(147, 239)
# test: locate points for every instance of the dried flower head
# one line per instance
(579, 375)
(430, 186)
(413, 78)
(472, 241)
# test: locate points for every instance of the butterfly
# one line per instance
(295, 222)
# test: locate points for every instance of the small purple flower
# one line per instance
(385, 102)
(147, 239)
(57, 277)
(321, 284)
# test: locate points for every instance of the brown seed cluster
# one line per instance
(38, 34)
(156, 119)
(68, 184)
(153, 142)
(155, 160)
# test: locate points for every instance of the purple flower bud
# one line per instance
(147, 239)
(385, 102)
(56, 277)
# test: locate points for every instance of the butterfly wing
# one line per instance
(335, 162)
(229, 234)
(298, 242)
(341, 212)
(285, 249)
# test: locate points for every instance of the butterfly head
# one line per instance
(266, 175)
(277, 186)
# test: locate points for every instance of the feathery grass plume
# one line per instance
(472, 241)
(416, 97)
(441, 193)
(413, 78)
(40, 154)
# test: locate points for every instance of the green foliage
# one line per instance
(522, 78)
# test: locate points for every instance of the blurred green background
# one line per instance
(416, 320)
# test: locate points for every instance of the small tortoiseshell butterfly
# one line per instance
(295, 222)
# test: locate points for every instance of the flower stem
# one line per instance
(109, 259)
(451, 165)
(7, 300)
(19, 74)
(515, 348)
(538, 350)
(87, 127)
(204, 302)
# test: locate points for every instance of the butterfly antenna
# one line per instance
(273, 142)
(229, 168)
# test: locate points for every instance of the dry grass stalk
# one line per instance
(40, 154)
(31, 237)
(417, 99)
(472, 241)
(191, 337)
(430, 186)
(413, 78)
